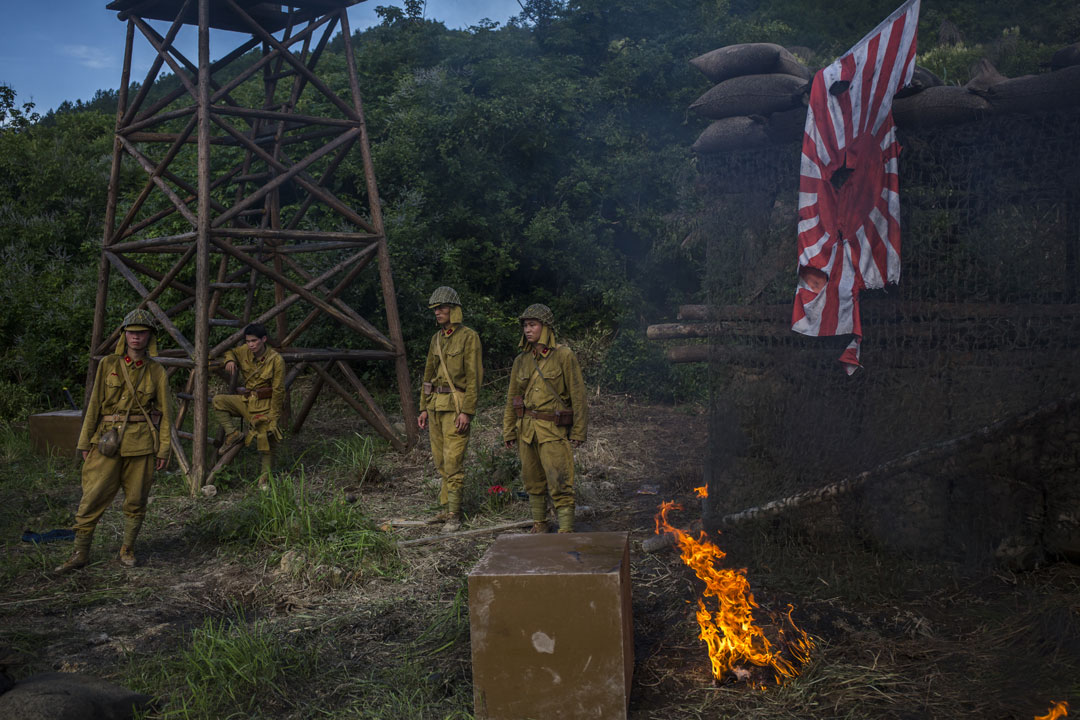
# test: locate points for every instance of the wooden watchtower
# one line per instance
(237, 219)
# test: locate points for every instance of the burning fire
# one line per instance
(730, 632)
(1058, 709)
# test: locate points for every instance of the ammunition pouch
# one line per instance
(564, 418)
(263, 393)
(429, 388)
(518, 402)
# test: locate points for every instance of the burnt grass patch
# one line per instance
(897, 636)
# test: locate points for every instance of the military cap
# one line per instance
(139, 319)
(443, 296)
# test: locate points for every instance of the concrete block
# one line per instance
(57, 431)
(551, 623)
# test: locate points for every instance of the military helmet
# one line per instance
(443, 296)
(139, 319)
(536, 311)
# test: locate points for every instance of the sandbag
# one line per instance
(748, 59)
(983, 77)
(1066, 57)
(921, 78)
(944, 105)
(751, 95)
(1035, 93)
(732, 133)
(69, 696)
(786, 126)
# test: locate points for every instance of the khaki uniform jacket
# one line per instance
(267, 371)
(560, 367)
(461, 348)
(111, 396)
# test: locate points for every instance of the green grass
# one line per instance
(233, 668)
(331, 533)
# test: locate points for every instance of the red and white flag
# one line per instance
(849, 200)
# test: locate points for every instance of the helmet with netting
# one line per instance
(536, 311)
(139, 319)
(443, 296)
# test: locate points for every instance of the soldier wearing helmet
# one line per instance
(124, 438)
(452, 378)
(546, 415)
(259, 400)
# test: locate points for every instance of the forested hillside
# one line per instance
(541, 160)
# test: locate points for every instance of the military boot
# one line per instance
(232, 439)
(80, 556)
(127, 556)
(453, 519)
(538, 509)
(566, 519)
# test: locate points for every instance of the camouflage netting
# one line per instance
(983, 328)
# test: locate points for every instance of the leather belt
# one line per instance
(120, 418)
(550, 417)
(443, 389)
(261, 393)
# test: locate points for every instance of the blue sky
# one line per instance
(84, 51)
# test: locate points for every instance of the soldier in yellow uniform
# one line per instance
(546, 415)
(259, 400)
(124, 438)
(452, 378)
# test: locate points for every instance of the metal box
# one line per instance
(552, 627)
(56, 431)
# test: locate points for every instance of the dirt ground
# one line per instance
(895, 638)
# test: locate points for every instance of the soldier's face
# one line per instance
(136, 340)
(442, 314)
(532, 329)
(255, 344)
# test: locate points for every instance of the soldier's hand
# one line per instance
(461, 422)
(575, 443)
(85, 454)
(509, 444)
(159, 464)
(421, 420)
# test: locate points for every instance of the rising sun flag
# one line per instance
(849, 191)
(729, 629)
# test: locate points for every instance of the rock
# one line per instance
(292, 563)
(68, 696)
(208, 491)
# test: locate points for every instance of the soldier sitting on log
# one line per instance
(259, 400)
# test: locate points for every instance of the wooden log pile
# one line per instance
(761, 91)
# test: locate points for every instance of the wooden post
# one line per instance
(202, 262)
(408, 406)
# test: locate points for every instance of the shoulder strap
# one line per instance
(536, 364)
(445, 372)
(135, 396)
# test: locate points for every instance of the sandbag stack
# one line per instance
(762, 90)
(754, 82)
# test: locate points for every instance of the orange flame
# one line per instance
(730, 632)
(1058, 709)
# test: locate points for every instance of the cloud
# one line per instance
(88, 56)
